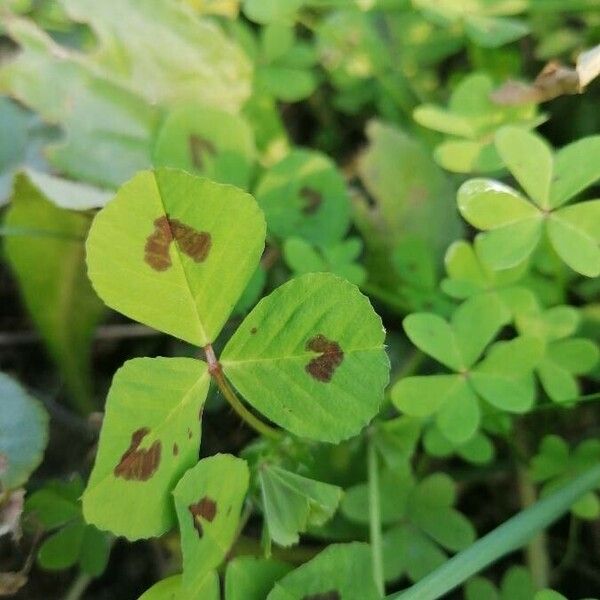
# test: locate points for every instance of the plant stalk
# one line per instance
(375, 516)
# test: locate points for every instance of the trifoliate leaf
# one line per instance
(316, 377)
(145, 446)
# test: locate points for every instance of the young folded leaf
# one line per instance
(148, 441)
(208, 500)
(311, 358)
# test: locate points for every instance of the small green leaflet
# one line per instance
(341, 571)
(292, 503)
(304, 195)
(175, 252)
(147, 442)
(296, 360)
(209, 142)
(23, 433)
(514, 225)
(172, 588)
(208, 500)
(250, 578)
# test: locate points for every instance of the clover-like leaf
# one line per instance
(23, 433)
(147, 442)
(250, 578)
(340, 571)
(296, 361)
(207, 141)
(304, 195)
(172, 588)
(175, 252)
(478, 449)
(208, 500)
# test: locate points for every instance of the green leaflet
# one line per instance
(147, 442)
(292, 503)
(304, 195)
(296, 360)
(23, 434)
(47, 256)
(171, 588)
(268, 11)
(208, 500)
(249, 578)
(515, 226)
(175, 252)
(209, 142)
(342, 568)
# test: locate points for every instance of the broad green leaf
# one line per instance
(577, 355)
(488, 204)
(575, 246)
(288, 84)
(480, 588)
(466, 156)
(56, 503)
(584, 216)
(23, 433)
(250, 578)
(434, 117)
(269, 11)
(477, 450)
(576, 168)
(529, 158)
(171, 588)
(296, 360)
(339, 571)
(107, 127)
(557, 382)
(208, 500)
(61, 550)
(207, 141)
(147, 442)
(165, 53)
(517, 584)
(433, 335)
(459, 416)
(305, 196)
(490, 32)
(48, 261)
(175, 252)
(422, 396)
(293, 503)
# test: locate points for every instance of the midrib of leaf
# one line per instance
(155, 430)
(201, 329)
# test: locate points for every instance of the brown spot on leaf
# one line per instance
(189, 433)
(312, 200)
(139, 464)
(253, 330)
(175, 449)
(330, 595)
(330, 358)
(195, 244)
(198, 148)
(205, 509)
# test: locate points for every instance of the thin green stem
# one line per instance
(214, 368)
(375, 516)
(510, 536)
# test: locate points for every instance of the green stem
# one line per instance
(214, 368)
(77, 589)
(510, 536)
(375, 516)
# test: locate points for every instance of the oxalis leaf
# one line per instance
(208, 500)
(175, 252)
(150, 436)
(172, 588)
(296, 360)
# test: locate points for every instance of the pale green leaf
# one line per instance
(48, 260)
(208, 500)
(439, 119)
(207, 141)
(467, 156)
(576, 355)
(23, 433)
(576, 168)
(488, 204)
(310, 357)
(146, 444)
(558, 383)
(529, 158)
(269, 11)
(584, 216)
(459, 416)
(342, 568)
(490, 32)
(292, 503)
(186, 286)
(423, 396)
(285, 83)
(250, 578)
(171, 588)
(305, 196)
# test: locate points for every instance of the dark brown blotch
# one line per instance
(189, 432)
(200, 146)
(330, 357)
(156, 251)
(205, 509)
(312, 200)
(196, 244)
(330, 595)
(175, 449)
(253, 330)
(139, 464)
